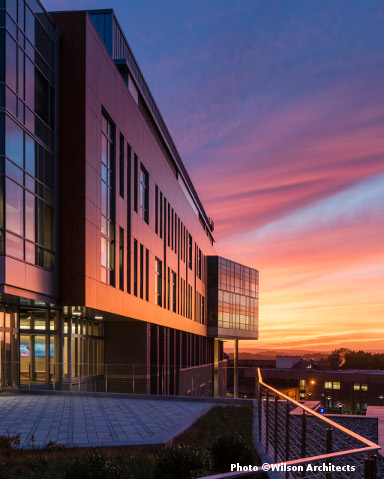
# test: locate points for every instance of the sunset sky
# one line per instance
(277, 109)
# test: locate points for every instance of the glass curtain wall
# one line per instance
(27, 156)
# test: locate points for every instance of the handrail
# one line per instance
(370, 444)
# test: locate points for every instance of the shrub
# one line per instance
(8, 442)
(94, 465)
(231, 449)
(181, 461)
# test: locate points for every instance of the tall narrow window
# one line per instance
(135, 267)
(129, 200)
(199, 264)
(156, 210)
(121, 258)
(144, 195)
(172, 232)
(158, 282)
(135, 181)
(141, 271)
(173, 291)
(121, 172)
(107, 203)
(161, 215)
(169, 225)
(190, 251)
(146, 275)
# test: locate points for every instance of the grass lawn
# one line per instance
(196, 452)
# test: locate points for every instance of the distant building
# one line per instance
(106, 252)
(313, 380)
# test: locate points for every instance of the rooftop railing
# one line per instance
(298, 442)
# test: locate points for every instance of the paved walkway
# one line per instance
(95, 421)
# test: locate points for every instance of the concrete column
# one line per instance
(235, 368)
(216, 367)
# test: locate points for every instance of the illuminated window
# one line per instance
(328, 384)
(336, 385)
(364, 387)
(356, 386)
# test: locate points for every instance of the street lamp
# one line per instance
(309, 396)
(340, 406)
(329, 399)
(381, 397)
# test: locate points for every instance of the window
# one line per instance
(161, 214)
(360, 387)
(135, 181)
(332, 385)
(121, 169)
(129, 199)
(135, 267)
(141, 271)
(146, 275)
(169, 225)
(158, 282)
(121, 258)
(199, 264)
(144, 177)
(190, 251)
(302, 384)
(107, 203)
(173, 292)
(156, 209)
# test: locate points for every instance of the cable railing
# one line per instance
(297, 442)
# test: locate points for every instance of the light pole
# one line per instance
(381, 397)
(329, 399)
(340, 406)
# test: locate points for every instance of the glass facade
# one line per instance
(27, 123)
(233, 297)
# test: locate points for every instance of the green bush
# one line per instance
(231, 449)
(181, 461)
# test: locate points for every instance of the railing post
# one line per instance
(370, 468)
(367, 468)
(133, 379)
(193, 381)
(79, 377)
(29, 375)
(328, 449)
(266, 419)
(373, 461)
(106, 377)
(303, 438)
(54, 377)
(287, 435)
(276, 436)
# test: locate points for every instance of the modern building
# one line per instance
(107, 255)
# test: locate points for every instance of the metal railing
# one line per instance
(297, 442)
(177, 380)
